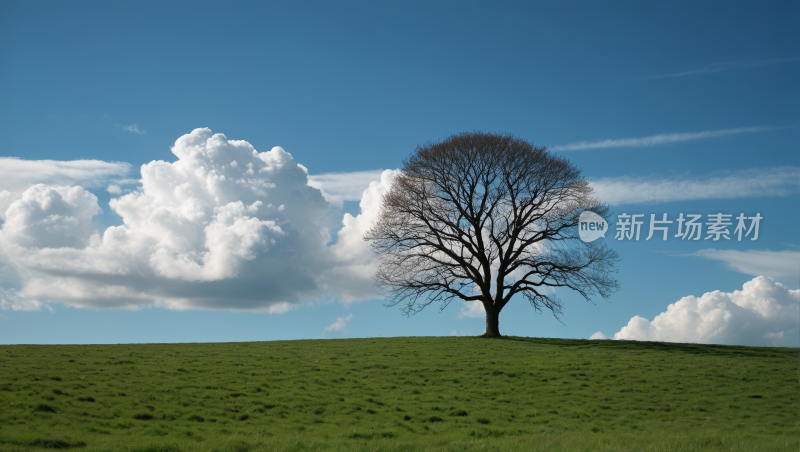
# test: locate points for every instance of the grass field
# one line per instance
(400, 394)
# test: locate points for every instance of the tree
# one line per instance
(482, 216)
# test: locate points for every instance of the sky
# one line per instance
(204, 171)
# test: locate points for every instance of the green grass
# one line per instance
(399, 394)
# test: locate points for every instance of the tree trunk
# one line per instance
(492, 324)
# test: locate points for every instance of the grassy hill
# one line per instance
(425, 393)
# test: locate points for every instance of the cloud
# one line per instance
(779, 181)
(719, 67)
(126, 181)
(340, 324)
(115, 187)
(133, 129)
(11, 301)
(473, 309)
(340, 187)
(51, 217)
(222, 227)
(352, 275)
(775, 264)
(17, 175)
(453, 333)
(655, 140)
(764, 312)
(598, 335)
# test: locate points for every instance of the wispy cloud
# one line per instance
(781, 265)
(339, 187)
(780, 181)
(655, 140)
(340, 324)
(18, 174)
(748, 183)
(719, 67)
(133, 129)
(127, 181)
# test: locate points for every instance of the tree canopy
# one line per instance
(484, 217)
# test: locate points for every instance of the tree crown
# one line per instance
(483, 216)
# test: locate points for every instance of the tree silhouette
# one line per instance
(482, 216)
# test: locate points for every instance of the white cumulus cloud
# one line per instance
(598, 335)
(51, 217)
(17, 175)
(352, 275)
(764, 312)
(473, 309)
(780, 181)
(11, 301)
(222, 227)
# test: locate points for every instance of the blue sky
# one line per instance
(353, 88)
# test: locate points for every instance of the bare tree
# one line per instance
(481, 216)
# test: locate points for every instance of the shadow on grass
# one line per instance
(673, 347)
